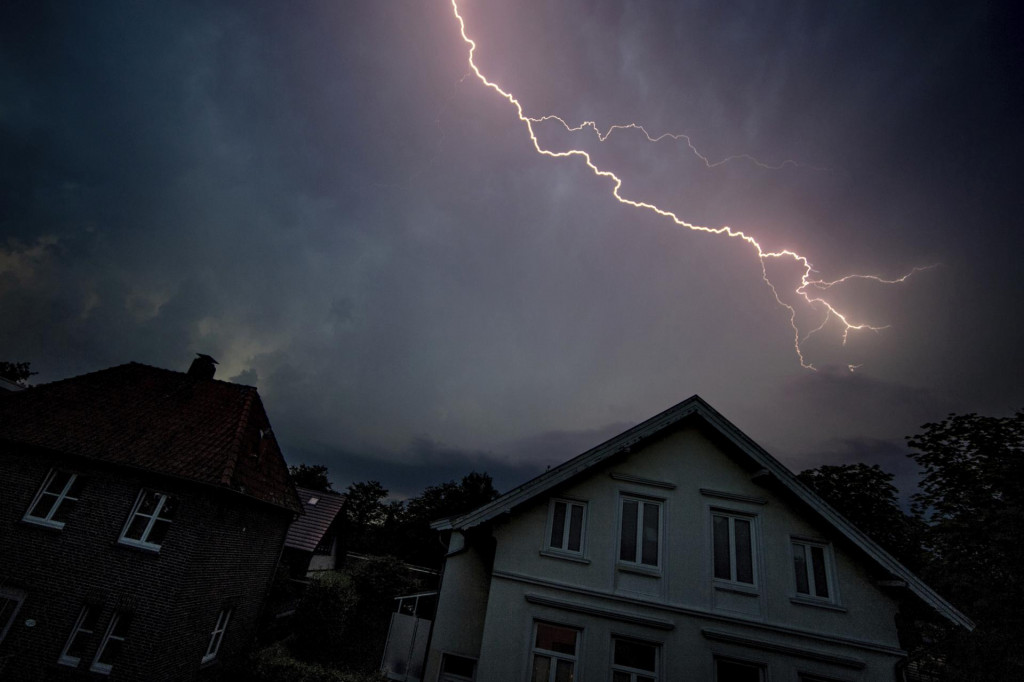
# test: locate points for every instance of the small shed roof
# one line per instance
(319, 512)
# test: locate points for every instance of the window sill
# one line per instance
(554, 554)
(745, 590)
(817, 603)
(43, 523)
(139, 547)
(639, 569)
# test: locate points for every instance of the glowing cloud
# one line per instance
(810, 288)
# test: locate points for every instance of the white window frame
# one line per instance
(17, 596)
(105, 668)
(636, 673)
(637, 561)
(829, 570)
(142, 541)
(217, 636)
(554, 656)
(63, 496)
(79, 629)
(566, 526)
(732, 517)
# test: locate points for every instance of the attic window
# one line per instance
(313, 501)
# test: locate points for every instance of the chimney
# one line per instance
(203, 367)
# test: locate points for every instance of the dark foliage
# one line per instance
(342, 621)
(972, 495)
(866, 496)
(312, 476)
(420, 543)
(18, 372)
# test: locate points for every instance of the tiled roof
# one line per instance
(307, 530)
(204, 430)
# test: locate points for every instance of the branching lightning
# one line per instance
(810, 287)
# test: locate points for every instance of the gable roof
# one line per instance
(306, 531)
(696, 408)
(203, 430)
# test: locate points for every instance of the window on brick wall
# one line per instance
(10, 603)
(217, 636)
(81, 633)
(55, 499)
(112, 644)
(149, 521)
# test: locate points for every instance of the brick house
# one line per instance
(142, 515)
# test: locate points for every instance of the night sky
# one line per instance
(322, 196)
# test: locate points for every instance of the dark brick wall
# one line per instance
(220, 551)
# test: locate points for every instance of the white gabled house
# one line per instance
(678, 550)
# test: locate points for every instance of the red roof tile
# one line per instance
(307, 530)
(204, 430)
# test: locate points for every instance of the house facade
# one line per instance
(142, 516)
(678, 550)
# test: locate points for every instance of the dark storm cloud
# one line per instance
(314, 195)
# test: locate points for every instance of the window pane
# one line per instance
(558, 525)
(800, 567)
(627, 541)
(110, 652)
(63, 510)
(564, 671)
(639, 655)
(57, 483)
(169, 508)
(649, 554)
(541, 668)
(158, 532)
(137, 527)
(620, 677)
(43, 506)
(121, 626)
(721, 548)
(744, 555)
(554, 638)
(576, 528)
(820, 578)
(148, 503)
(76, 488)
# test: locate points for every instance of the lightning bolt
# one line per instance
(809, 283)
